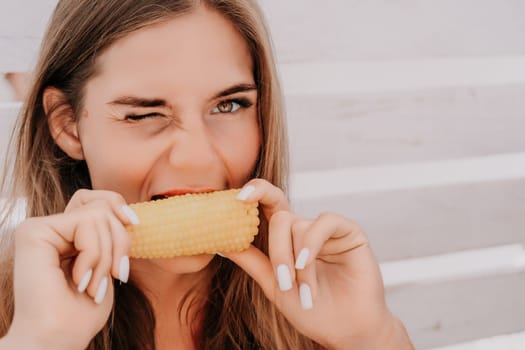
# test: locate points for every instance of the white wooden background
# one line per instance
(408, 117)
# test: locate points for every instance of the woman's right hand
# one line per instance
(63, 267)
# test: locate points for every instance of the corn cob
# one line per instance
(192, 224)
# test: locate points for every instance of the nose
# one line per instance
(193, 151)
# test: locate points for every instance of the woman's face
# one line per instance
(173, 109)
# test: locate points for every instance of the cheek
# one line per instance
(240, 150)
(115, 161)
(115, 170)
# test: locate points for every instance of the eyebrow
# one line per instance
(235, 89)
(139, 102)
(158, 102)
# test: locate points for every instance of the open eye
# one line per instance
(226, 107)
(230, 106)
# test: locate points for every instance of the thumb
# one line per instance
(257, 265)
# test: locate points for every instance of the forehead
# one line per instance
(201, 48)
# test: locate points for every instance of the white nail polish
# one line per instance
(300, 263)
(101, 291)
(85, 281)
(130, 214)
(123, 273)
(284, 278)
(305, 294)
(245, 192)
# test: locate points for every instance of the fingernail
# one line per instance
(85, 281)
(219, 254)
(305, 294)
(284, 278)
(130, 214)
(101, 292)
(123, 273)
(300, 263)
(245, 192)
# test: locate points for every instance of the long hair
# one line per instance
(236, 314)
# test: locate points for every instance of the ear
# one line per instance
(62, 122)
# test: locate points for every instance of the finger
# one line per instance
(66, 225)
(88, 245)
(347, 238)
(307, 276)
(308, 286)
(257, 266)
(299, 228)
(121, 248)
(280, 248)
(271, 198)
(98, 286)
(116, 202)
(343, 234)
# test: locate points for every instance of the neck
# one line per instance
(176, 299)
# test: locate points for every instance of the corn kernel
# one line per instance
(192, 224)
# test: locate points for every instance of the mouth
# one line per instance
(180, 192)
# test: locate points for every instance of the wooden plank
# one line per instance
(15, 17)
(359, 77)
(19, 54)
(8, 112)
(328, 132)
(514, 341)
(458, 311)
(365, 179)
(351, 30)
(375, 30)
(454, 266)
(435, 220)
(22, 24)
(352, 180)
(335, 131)
(429, 221)
(17, 216)
(6, 92)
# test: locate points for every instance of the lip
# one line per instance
(180, 192)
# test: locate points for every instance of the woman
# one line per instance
(136, 100)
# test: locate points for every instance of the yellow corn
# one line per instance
(192, 224)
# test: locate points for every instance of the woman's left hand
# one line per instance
(321, 274)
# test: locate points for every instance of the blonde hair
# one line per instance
(237, 315)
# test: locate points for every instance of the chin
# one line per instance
(184, 264)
